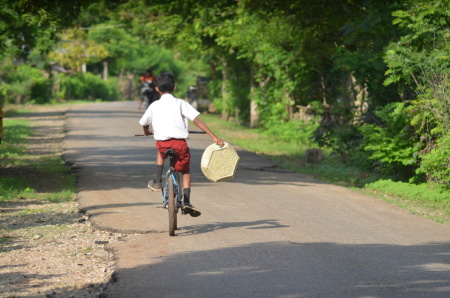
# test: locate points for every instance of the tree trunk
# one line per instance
(324, 91)
(1, 123)
(225, 114)
(289, 107)
(254, 115)
(359, 96)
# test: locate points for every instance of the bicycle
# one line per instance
(172, 192)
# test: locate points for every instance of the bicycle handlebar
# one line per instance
(191, 131)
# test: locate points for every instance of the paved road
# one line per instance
(267, 233)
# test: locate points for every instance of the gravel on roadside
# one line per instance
(50, 249)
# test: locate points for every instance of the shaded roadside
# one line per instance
(48, 248)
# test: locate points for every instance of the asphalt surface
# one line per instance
(266, 233)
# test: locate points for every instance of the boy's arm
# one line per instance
(147, 131)
(202, 125)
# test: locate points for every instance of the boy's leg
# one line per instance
(187, 206)
(156, 184)
(187, 187)
(187, 179)
(159, 159)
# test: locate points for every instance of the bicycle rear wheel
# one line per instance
(173, 208)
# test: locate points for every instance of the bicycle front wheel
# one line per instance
(173, 208)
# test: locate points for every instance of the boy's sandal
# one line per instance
(191, 211)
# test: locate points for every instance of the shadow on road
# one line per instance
(124, 161)
(252, 225)
(287, 269)
(118, 167)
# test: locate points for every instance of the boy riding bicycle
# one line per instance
(168, 117)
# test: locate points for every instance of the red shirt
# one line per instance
(149, 79)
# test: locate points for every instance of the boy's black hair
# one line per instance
(165, 81)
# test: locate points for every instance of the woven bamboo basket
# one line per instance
(219, 163)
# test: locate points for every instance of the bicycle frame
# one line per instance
(177, 181)
(172, 192)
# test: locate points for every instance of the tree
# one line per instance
(25, 24)
(76, 50)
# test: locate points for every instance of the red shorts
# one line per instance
(183, 159)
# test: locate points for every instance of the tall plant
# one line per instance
(420, 59)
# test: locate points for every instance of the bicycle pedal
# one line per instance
(164, 206)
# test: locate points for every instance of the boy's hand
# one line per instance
(219, 141)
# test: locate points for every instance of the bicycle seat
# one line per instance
(170, 153)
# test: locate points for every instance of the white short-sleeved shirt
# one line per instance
(169, 117)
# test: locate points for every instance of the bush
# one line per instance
(89, 87)
(409, 143)
(436, 164)
(40, 90)
(22, 84)
(392, 142)
(337, 131)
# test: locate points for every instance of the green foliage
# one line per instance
(40, 90)
(23, 83)
(392, 141)
(365, 37)
(75, 49)
(420, 59)
(27, 24)
(436, 164)
(277, 54)
(125, 51)
(90, 87)
(337, 130)
(431, 120)
(295, 132)
(426, 26)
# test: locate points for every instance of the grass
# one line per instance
(15, 133)
(252, 139)
(419, 199)
(30, 176)
(4, 240)
(289, 155)
(422, 199)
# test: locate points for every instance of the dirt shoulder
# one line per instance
(50, 249)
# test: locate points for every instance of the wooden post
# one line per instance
(105, 70)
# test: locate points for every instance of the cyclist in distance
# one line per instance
(168, 118)
(147, 89)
